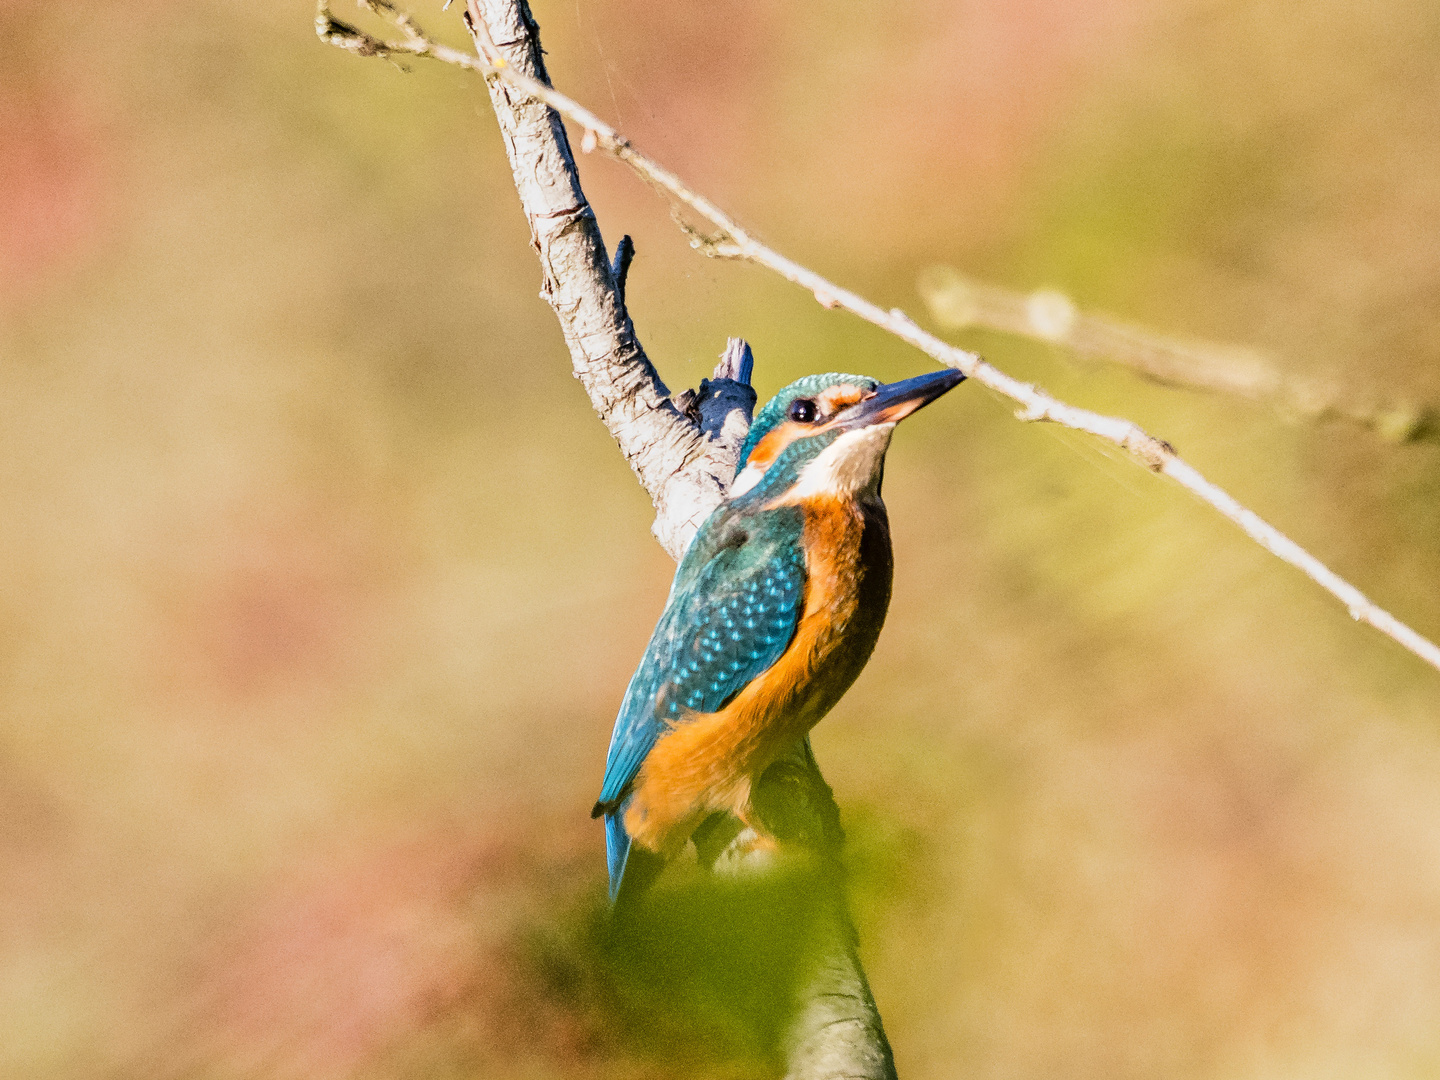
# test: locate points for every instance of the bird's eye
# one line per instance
(802, 410)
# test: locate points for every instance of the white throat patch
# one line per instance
(748, 478)
(848, 466)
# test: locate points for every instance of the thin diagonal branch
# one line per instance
(959, 302)
(731, 240)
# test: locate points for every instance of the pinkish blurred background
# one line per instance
(319, 583)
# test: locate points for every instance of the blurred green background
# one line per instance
(320, 584)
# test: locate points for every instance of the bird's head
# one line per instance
(827, 434)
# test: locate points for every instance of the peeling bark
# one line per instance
(684, 469)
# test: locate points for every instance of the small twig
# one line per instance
(620, 267)
(733, 241)
(725, 402)
(736, 362)
(958, 302)
(416, 42)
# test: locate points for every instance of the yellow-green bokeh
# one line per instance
(320, 584)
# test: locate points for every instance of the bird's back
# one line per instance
(700, 762)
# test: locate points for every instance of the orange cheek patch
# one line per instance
(831, 401)
(769, 448)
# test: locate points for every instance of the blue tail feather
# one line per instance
(617, 847)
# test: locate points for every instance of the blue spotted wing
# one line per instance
(732, 611)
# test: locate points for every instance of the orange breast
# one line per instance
(709, 761)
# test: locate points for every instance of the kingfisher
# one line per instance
(774, 610)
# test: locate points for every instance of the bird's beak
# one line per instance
(892, 402)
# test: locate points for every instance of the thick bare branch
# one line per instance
(683, 469)
(685, 475)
